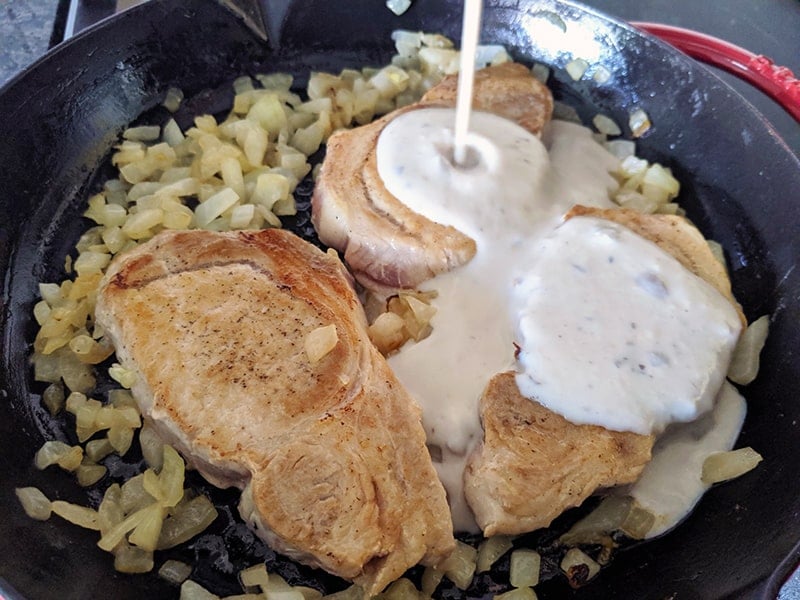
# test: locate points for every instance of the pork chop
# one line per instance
(386, 244)
(533, 464)
(330, 454)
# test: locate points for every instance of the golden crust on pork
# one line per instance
(330, 454)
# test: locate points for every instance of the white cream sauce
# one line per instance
(670, 485)
(513, 196)
(615, 332)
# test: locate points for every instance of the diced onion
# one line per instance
(241, 216)
(110, 513)
(145, 133)
(622, 149)
(152, 447)
(34, 503)
(541, 72)
(638, 522)
(460, 566)
(490, 550)
(387, 332)
(54, 452)
(170, 477)
(595, 527)
(722, 466)
(121, 438)
(576, 68)
(131, 559)
(173, 99)
(89, 474)
(578, 567)
(53, 398)
(50, 293)
(117, 533)
(401, 589)
(175, 571)
(215, 206)
(79, 515)
(254, 578)
(639, 122)
(188, 519)
(194, 591)
(606, 125)
(320, 341)
(524, 593)
(172, 133)
(524, 570)
(601, 75)
(746, 356)
(431, 578)
(133, 496)
(145, 534)
(398, 7)
(125, 377)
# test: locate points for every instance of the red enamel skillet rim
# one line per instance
(779, 83)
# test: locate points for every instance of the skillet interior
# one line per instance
(739, 184)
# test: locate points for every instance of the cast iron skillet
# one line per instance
(61, 117)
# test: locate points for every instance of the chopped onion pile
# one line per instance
(647, 188)
(148, 512)
(399, 318)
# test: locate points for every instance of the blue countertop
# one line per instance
(25, 30)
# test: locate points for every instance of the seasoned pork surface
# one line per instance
(533, 464)
(385, 244)
(330, 454)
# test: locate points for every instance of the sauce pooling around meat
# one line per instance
(682, 449)
(512, 195)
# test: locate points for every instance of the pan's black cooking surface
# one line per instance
(743, 194)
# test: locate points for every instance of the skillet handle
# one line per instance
(779, 83)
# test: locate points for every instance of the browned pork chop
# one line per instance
(507, 89)
(331, 454)
(385, 244)
(533, 464)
